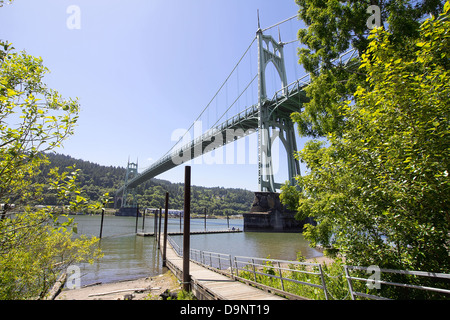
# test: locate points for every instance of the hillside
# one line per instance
(96, 180)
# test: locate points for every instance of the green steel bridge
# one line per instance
(268, 116)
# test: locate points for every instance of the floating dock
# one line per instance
(152, 234)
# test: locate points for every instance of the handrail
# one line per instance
(268, 264)
(354, 293)
(234, 266)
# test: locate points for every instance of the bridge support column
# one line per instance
(268, 214)
(271, 51)
(121, 198)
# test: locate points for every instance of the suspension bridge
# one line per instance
(268, 116)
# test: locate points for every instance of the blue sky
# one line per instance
(142, 69)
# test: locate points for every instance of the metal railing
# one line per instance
(287, 273)
(278, 269)
(375, 281)
(270, 268)
(214, 260)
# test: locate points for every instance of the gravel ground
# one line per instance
(145, 288)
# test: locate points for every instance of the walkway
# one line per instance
(209, 285)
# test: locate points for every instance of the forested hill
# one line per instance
(96, 180)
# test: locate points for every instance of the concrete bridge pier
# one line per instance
(268, 214)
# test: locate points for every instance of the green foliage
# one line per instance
(379, 189)
(96, 180)
(2, 2)
(185, 295)
(301, 276)
(33, 119)
(36, 245)
(333, 27)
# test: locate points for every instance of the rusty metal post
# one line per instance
(180, 222)
(137, 218)
(159, 229)
(186, 231)
(166, 217)
(155, 226)
(143, 220)
(101, 223)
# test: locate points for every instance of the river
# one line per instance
(127, 256)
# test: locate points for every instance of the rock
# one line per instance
(168, 294)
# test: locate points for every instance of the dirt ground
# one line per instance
(321, 260)
(141, 289)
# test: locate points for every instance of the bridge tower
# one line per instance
(273, 124)
(132, 171)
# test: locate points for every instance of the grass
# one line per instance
(335, 281)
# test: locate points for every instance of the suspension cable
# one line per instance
(226, 80)
(277, 24)
(215, 95)
(235, 100)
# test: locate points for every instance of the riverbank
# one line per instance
(148, 288)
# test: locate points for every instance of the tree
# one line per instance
(35, 245)
(334, 27)
(379, 189)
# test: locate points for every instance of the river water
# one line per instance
(127, 256)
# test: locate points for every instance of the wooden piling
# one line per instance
(143, 221)
(166, 217)
(186, 231)
(159, 229)
(101, 222)
(137, 218)
(155, 225)
(205, 219)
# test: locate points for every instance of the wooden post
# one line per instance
(155, 230)
(166, 217)
(186, 231)
(101, 223)
(143, 220)
(137, 218)
(159, 229)
(205, 219)
(228, 221)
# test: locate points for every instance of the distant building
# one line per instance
(172, 212)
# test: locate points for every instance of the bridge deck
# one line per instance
(209, 285)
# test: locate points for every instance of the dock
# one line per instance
(207, 284)
(152, 234)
